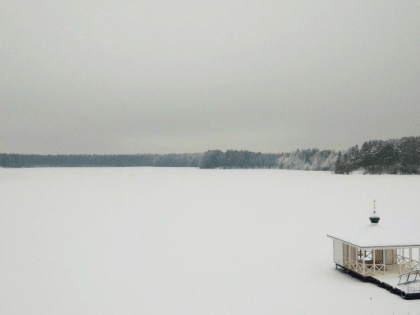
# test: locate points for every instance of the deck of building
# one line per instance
(390, 282)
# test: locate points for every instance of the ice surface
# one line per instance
(190, 241)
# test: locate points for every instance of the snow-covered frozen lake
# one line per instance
(190, 241)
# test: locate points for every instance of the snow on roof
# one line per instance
(379, 235)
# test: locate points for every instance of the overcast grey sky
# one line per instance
(152, 76)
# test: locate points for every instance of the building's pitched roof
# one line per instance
(380, 235)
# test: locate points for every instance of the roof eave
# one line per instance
(374, 246)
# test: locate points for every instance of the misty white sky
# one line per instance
(187, 76)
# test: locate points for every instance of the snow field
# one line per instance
(189, 241)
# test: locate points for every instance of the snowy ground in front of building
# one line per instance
(190, 241)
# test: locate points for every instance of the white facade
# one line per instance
(338, 252)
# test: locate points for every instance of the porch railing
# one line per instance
(403, 265)
(366, 269)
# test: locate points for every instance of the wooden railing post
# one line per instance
(374, 262)
(410, 254)
(364, 262)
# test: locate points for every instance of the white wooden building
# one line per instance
(384, 253)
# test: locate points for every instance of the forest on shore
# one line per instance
(394, 156)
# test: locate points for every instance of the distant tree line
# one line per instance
(238, 159)
(86, 160)
(310, 159)
(394, 156)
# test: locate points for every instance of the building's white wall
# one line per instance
(390, 256)
(338, 252)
